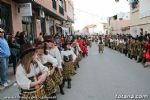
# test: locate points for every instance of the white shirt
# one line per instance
(111, 40)
(75, 51)
(67, 53)
(99, 41)
(56, 54)
(48, 58)
(22, 77)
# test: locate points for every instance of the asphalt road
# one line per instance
(107, 76)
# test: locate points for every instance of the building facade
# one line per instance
(119, 24)
(140, 16)
(35, 16)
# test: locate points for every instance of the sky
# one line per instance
(96, 12)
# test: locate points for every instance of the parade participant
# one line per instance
(51, 63)
(68, 59)
(146, 54)
(100, 45)
(76, 49)
(30, 75)
(70, 48)
(82, 45)
(135, 49)
(140, 48)
(53, 50)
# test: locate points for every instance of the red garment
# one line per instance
(62, 41)
(82, 46)
(146, 53)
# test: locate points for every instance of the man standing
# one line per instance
(4, 57)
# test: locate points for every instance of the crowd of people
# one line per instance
(43, 67)
(137, 48)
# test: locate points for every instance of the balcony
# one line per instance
(61, 10)
(54, 4)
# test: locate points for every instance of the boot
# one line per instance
(63, 83)
(61, 89)
(139, 60)
(69, 83)
(131, 56)
(135, 57)
(128, 55)
(78, 65)
(75, 68)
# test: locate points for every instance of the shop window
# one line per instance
(27, 26)
(5, 18)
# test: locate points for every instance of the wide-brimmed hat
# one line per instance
(26, 48)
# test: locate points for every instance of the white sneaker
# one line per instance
(8, 81)
(5, 84)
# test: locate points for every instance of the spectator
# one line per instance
(15, 50)
(4, 57)
(23, 38)
(40, 38)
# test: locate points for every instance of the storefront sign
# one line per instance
(25, 9)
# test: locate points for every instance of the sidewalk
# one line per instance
(11, 77)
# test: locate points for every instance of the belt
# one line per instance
(31, 90)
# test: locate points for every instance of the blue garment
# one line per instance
(4, 48)
(3, 69)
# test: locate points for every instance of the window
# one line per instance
(115, 17)
(27, 26)
(5, 18)
(54, 4)
(120, 18)
(134, 4)
(61, 3)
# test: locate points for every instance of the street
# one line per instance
(102, 77)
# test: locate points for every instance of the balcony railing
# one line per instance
(54, 4)
(61, 10)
